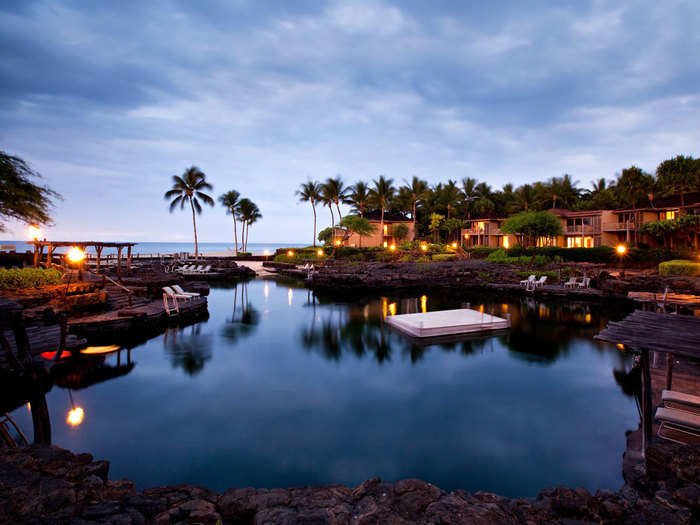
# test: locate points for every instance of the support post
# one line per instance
(119, 263)
(36, 255)
(669, 370)
(98, 249)
(646, 400)
(128, 258)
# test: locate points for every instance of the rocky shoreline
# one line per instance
(50, 485)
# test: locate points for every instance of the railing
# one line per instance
(579, 229)
(618, 226)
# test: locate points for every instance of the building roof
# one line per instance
(389, 216)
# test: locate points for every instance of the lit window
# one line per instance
(670, 215)
(480, 226)
(386, 230)
(506, 242)
(544, 241)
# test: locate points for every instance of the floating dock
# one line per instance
(447, 322)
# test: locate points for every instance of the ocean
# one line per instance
(257, 248)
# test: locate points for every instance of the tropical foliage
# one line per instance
(529, 225)
(20, 198)
(28, 277)
(679, 267)
(359, 225)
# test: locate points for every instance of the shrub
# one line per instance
(28, 277)
(679, 267)
(480, 252)
(601, 254)
(444, 257)
(244, 254)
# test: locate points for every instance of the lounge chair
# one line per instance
(185, 268)
(170, 295)
(525, 282)
(541, 281)
(585, 283)
(571, 283)
(681, 401)
(205, 269)
(678, 421)
(180, 291)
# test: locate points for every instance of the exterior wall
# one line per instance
(377, 238)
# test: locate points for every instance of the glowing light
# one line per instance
(33, 232)
(29, 406)
(423, 303)
(338, 242)
(52, 355)
(621, 249)
(620, 346)
(75, 254)
(320, 252)
(266, 290)
(424, 247)
(290, 253)
(588, 318)
(75, 416)
(481, 308)
(504, 307)
(384, 306)
(392, 247)
(289, 296)
(466, 235)
(97, 350)
(454, 245)
(386, 244)
(392, 308)
(506, 242)
(266, 252)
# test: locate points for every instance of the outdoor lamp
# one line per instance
(424, 247)
(75, 255)
(320, 252)
(454, 245)
(392, 247)
(621, 249)
(76, 414)
(290, 253)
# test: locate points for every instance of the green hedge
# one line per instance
(679, 267)
(28, 277)
(601, 254)
(444, 257)
(502, 256)
(480, 252)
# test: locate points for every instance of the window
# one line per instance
(580, 242)
(545, 241)
(506, 242)
(386, 229)
(480, 226)
(668, 215)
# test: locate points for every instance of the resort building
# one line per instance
(381, 236)
(593, 228)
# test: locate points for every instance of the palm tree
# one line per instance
(336, 192)
(188, 188)
(248, 213)
(381, 196)
(523, 198)
(632, 185)
(358, 197)
(484, 198)
(310, 192)
(327, 200)
(230, 201)
(469, 195)
(450, 196)
(417, 189)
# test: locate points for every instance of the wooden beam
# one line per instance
(98, 249)
(669, 370)
(128, 258)
(119, 262)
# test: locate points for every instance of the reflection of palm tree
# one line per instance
(190, 352)
(245, 316)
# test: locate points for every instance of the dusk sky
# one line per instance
(108, 100)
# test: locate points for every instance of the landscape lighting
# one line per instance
(424, 247)
(290, 253)
(75, 254)
(33, 232)
(621, 249)
(320, 252)
(392, 247)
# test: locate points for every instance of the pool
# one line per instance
(280, 387)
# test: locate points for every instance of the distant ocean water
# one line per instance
(256, 248)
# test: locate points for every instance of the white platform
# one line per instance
(447, 322)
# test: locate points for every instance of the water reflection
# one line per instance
(188, 348)
(245, 317)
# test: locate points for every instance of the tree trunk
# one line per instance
(381, 226)
(194, 226)
(235, 232)
(340, 217)
(313, 207)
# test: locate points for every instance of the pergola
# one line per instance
(98, 245)
(671, 334)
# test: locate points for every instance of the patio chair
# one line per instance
(540, 281)
(681, 401)
(677, 421)
(180, 291)
(585, 283)
(571, 283)
(525, 282)
(169, 294)
(205, 269)
(185, 268)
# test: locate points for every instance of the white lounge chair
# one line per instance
(180, 291)
(681, 401)
(585, 283)
(185, 268)
(525, 282)
(540, 281)
(169, 293)
(678, 421)
(205, 269)
(571, 283)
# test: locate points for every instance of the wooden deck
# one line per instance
(43, 340)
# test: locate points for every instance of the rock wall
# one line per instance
(42, 485)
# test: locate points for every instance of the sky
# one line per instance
(108, 100)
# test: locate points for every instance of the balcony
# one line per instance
(616, 226)
(582, 229)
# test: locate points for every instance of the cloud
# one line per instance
(109, 101)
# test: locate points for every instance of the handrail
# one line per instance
(117, 284)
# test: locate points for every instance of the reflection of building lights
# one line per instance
(29, 406)
(620, 346)
(504, 307)
(92, 350)
(392, 308)
(384, 306)
(392, 247)
(588, 318)
(454, 245)
(506, 242)
(75, 254)
(33, 232)
(423, 303)
(75, 416)
(266, 290)
(290, 253)
(621, 249)
(289, 296)
(481, 308)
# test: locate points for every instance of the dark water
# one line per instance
(297, 390)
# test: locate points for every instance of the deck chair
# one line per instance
(526, 282)
(205, 269)
(681, 401)
(170, 295)
(180, 291)
(585, 283)
(540, 281)
(571, 283)
(678, 421)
